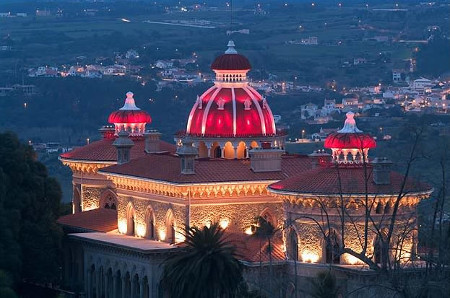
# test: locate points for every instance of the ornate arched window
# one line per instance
(108, 200)
(150, 223)
(332, 248)
(170, 227)
(292, 245)
(269, 217)
(130, 220)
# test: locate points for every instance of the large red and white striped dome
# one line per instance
(231, 108)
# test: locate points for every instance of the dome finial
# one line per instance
(350, 124)
(129, 102)
(231, 49)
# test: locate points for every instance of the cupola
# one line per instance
(350, 145)
(130, 118)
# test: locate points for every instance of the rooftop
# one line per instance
(97, 220)
(166, 167)
(104, 151)
(335, 180)
(116, 239)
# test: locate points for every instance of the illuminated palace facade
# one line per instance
(133, 193)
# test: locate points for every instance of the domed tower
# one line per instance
(130, 118)
(231, 117)
(350, 145)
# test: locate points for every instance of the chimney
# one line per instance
(107, 131)
(187, 153)
(265, 159)
(123, 145)
(381, 171)
(152, 141)
(319, 158)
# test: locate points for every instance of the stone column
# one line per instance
(133, 289)
(208, 147)
(88, 285)
(141, 288)
(235, 147)
(107, 285)
(115, 293)
(97, 283)
(124, 286)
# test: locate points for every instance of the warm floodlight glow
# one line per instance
(224, 223)
(309, 257)
(162, 234)
(122, 226)
(249, 231)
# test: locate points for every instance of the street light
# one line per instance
(303, 134)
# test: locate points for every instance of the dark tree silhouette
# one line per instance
(207, 266)
(29, 207)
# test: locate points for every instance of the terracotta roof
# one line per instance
(166, 167)
(325, 180)
(251, 249)
(97, 220)
(103, 150)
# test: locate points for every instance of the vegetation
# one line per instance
(324, 285)
(433, 58)
(29, 206)
(207, 266)
(265, 231)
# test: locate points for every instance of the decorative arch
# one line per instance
(242, 151)
(380, 208)
(228, 150)
(378, 255)
(268, 216)
(130, 219)
(170, 227)
(332, 247)
(216, 150)
(108, 199)
(202, 150)
(292, 245)
(150, 223)
(76, 200)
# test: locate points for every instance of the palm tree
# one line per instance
(264, 230)
(206, 268)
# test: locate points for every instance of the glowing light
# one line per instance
(140, 230)
(122, 226)
(224, 223)
(352, 260)
(309, 257)
(162, 234)
(249, 231)
(179, 237)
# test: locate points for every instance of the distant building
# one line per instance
(4, 91)
(421, 84)
(25, 89)
(43, 13)
(358, 61)
(132, 54)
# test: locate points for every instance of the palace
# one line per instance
(133, 194)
